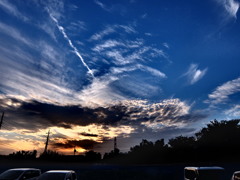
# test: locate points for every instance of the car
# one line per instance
(236, 175)
(58, 175)
(20, 174)
(203, 173)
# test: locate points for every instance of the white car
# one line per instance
(236, 175)
(58, 175)
(20, 174)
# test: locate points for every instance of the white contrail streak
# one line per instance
(61, 29)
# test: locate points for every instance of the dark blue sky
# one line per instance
(132, 68)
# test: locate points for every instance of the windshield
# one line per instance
(10, 174)
(52, 176)
(211, 175)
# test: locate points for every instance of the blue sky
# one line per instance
(135, 69)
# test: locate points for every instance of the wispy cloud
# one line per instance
(154, 72)
(222, 93)
(144, 16)
(134, 51)
(103, 6)
(16, 34)
(56, 7)
(61, 29)
(233, 112)
(77, 26)
(13, 10)
(112, 29)
(111, 8)
(194, 74)
(100, 92)
(231, 7)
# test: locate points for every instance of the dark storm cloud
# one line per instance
(37, 115)
(65, 116)
(88, 135)
(85, 144)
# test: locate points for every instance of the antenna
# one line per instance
(1, 120)
(46, 144)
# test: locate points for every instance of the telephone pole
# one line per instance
(1, 120)
(46, 144)
(74, 151)
(115, 143)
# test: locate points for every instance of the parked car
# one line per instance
(203, 173)
(20, 174)
(236, 175)
(58, 175)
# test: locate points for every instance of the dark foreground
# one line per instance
(119, 172)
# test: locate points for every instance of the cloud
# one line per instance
(56, 7)
(43, 77)
(154, 72)
(157, 116)
(87, 127)
(166, 45)
(103, 6)
(128, 52)
(85, 144)
(170, 112)
(77, 26)
(15, 34)
(144, 16)
(123, 68)
(112, 29)
(13, 10)
(231, 7)
(233, 112)
(222, 93)
(88, 134)
(113, 8)
(194, 74)
(103, 33)
(100, 92)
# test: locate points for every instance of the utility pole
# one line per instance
(74, 151)
(115, 150)
(115, 143)
(46, 144)
(1, 120)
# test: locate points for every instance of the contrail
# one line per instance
(61, 29)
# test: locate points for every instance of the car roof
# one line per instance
(204, 168)
(60, 171)
(24, 169)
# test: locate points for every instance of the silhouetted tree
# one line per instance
(51, 155)
(182, 142)
(92, 156)
(218, 134)
(26, 155)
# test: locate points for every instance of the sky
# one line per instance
(92, 70)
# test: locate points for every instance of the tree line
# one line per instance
(219, 141)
